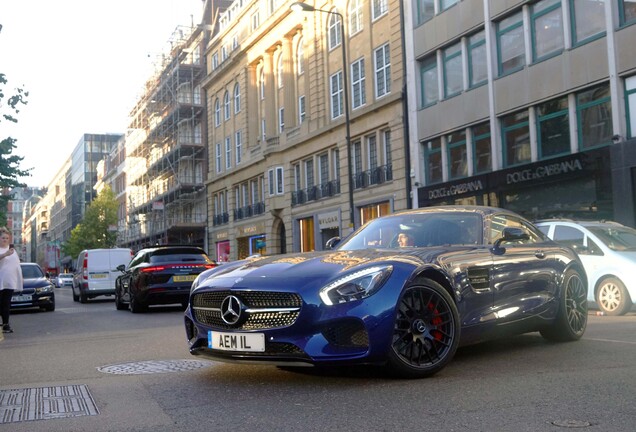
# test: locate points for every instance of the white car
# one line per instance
(608, 253)
(64, 279)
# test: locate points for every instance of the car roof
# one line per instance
(585, 223)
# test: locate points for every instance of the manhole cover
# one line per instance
(153, 367)
(43, 403)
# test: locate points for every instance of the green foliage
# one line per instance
(9, 162)
(93, 232)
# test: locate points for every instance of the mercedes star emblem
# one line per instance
(231, 310)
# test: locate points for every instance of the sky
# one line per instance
(84, 64)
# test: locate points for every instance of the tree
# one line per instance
(9, 162)
(93, 232)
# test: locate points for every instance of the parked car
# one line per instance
(472, 274)
(96, 272)
(38, 290)
(159, 276)
(64, 279)
(608, 253)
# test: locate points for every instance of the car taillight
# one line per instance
(85, 268)
(153, 269)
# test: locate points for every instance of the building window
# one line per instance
(223, 53)
(301, 109)
(553, 128)
(433, 160)
(300, 57)
(228, 153)
(630, 101)
(309, 173)
(477, 63)
(334, 29)
(237, 99)
(428, 76)
(215, 60)
(279, 71)
(218, 156)
(359, 97)
(445, 4)
(281, 120)
(453, 78)
(424, 11)
(482, 151)
(276, 181)
(379, 8)
(388, 158)
(627, 10)
(263, 135)
(336, 95)
(515, 131)
(226, 105)
(510, 44)
(594, 117)
(261, 82)
(355, 16)
(323, 168)
(456, 155)
(238, 146)
(372, 152)
(588, 19)
(546, 21)
(217, 112)
(382, 57)
(256, 20)
(297, 182)
(357, 157)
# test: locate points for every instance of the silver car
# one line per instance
(608, 253)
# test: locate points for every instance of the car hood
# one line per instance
(308, 270)
(31, 283)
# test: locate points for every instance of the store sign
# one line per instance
(250, 230)
(329, 220)
(223, 235)
(543, 171)
(456, 189)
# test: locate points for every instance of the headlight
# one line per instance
(355, 286)
(44, 289)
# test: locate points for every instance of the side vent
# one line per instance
(479, 278)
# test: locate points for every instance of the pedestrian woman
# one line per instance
(10, 277)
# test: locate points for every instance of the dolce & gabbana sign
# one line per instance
(544, 171)
(456, 189)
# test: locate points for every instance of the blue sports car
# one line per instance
(404, 291)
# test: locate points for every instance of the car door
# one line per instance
(524, 271)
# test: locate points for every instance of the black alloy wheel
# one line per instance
(571, 319)
(426, 330)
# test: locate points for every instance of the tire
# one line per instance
(136, 306)
(571, 319)
(83, 298)
(75, 296)
(49, 308)
(612, 297)
(426, 331)
(119, 305)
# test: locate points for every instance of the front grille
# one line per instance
(206, 307)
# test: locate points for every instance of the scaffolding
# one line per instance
(166, 162)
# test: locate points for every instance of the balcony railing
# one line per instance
(373, 176)
(315, 193)
(221, 219)
(249, 211)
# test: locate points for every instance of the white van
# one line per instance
(96, 271)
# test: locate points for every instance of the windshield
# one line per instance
(418, 230)
(31, 272)
(618, 238)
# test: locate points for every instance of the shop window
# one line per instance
(515, 133)
(424, 11)
(223, 251)
(429, 83)
(257, 245)
(630, 100)
(510, 44)
(546, 21)
(433, 160)
(307, 237)
(553, 128)
(373, 211)
(456, 155)
(627, 9)
(477, 59)
(452, 64)
(594, 117)
(482, 149)
(588, 19)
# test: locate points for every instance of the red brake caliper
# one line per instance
(436, 321)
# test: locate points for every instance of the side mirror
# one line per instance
(509, 235)
(121, 267)
(332, 242)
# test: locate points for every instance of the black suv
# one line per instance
(159, 275)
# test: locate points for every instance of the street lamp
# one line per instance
(303, 7)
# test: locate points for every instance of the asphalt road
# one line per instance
(118, 371)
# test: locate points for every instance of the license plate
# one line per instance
(248, 342)
(98, 275)
(185, 278)
(21, 298)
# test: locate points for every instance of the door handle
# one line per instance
(539, 254)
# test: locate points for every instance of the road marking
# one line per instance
(611, 340)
